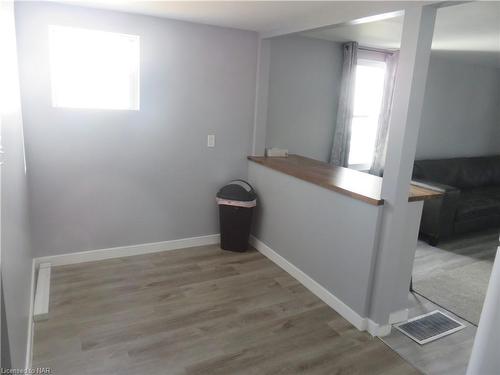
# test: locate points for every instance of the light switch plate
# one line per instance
(211, 140)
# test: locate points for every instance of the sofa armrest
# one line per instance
(438, 216)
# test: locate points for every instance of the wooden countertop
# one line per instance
(358, 185)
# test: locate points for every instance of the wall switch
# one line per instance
(211, 140)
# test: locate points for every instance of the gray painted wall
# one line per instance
(304, 85)
(461, 115)
(102, 179)
(338, 251)
(301, 222)
(15, 239)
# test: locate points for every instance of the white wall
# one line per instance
(461, 115)
(111, 178)
(304, 85)
(15, 239)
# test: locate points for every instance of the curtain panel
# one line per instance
(342, 137)
(377, 167)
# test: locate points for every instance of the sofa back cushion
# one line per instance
(463, 173)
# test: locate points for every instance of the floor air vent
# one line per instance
(429, 327)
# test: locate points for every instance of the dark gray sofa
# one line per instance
(471, 199)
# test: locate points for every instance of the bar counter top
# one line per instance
(356, 184)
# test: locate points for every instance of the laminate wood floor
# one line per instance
(198, 311)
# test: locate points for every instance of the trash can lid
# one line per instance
(237, 190)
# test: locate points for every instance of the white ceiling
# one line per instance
(269, 18)
(468, 31)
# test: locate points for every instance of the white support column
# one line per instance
(395, 254)
(261, 97)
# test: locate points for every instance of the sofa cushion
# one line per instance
(463, 173)
(477, 203)
(443, 171)
(479, 172)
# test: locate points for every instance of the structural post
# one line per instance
(393, 267)
(261, 96)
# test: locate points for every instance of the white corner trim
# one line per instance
(29, 342)
(335, 303)
(398, 316)
(378, 330)
(125, 251)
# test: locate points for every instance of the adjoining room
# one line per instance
(458, 152)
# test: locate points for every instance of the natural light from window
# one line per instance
(368, 93)
(94, 69)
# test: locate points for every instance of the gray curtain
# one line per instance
(342, 136)
(377, 167)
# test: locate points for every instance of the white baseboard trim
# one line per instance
(125, 251)
(335, 303)
(29, 342)
(42, 293)
(361, 323)
(101, 254)
(378, 330)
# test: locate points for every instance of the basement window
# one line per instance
(94, 69)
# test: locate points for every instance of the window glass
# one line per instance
(94, 69)
(368, 93)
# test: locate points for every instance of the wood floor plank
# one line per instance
(198, 311)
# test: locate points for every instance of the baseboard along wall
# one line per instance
(102, 254)
(361, 323)
(125, 251)
(29, 343)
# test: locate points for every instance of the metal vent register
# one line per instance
(429, 327)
